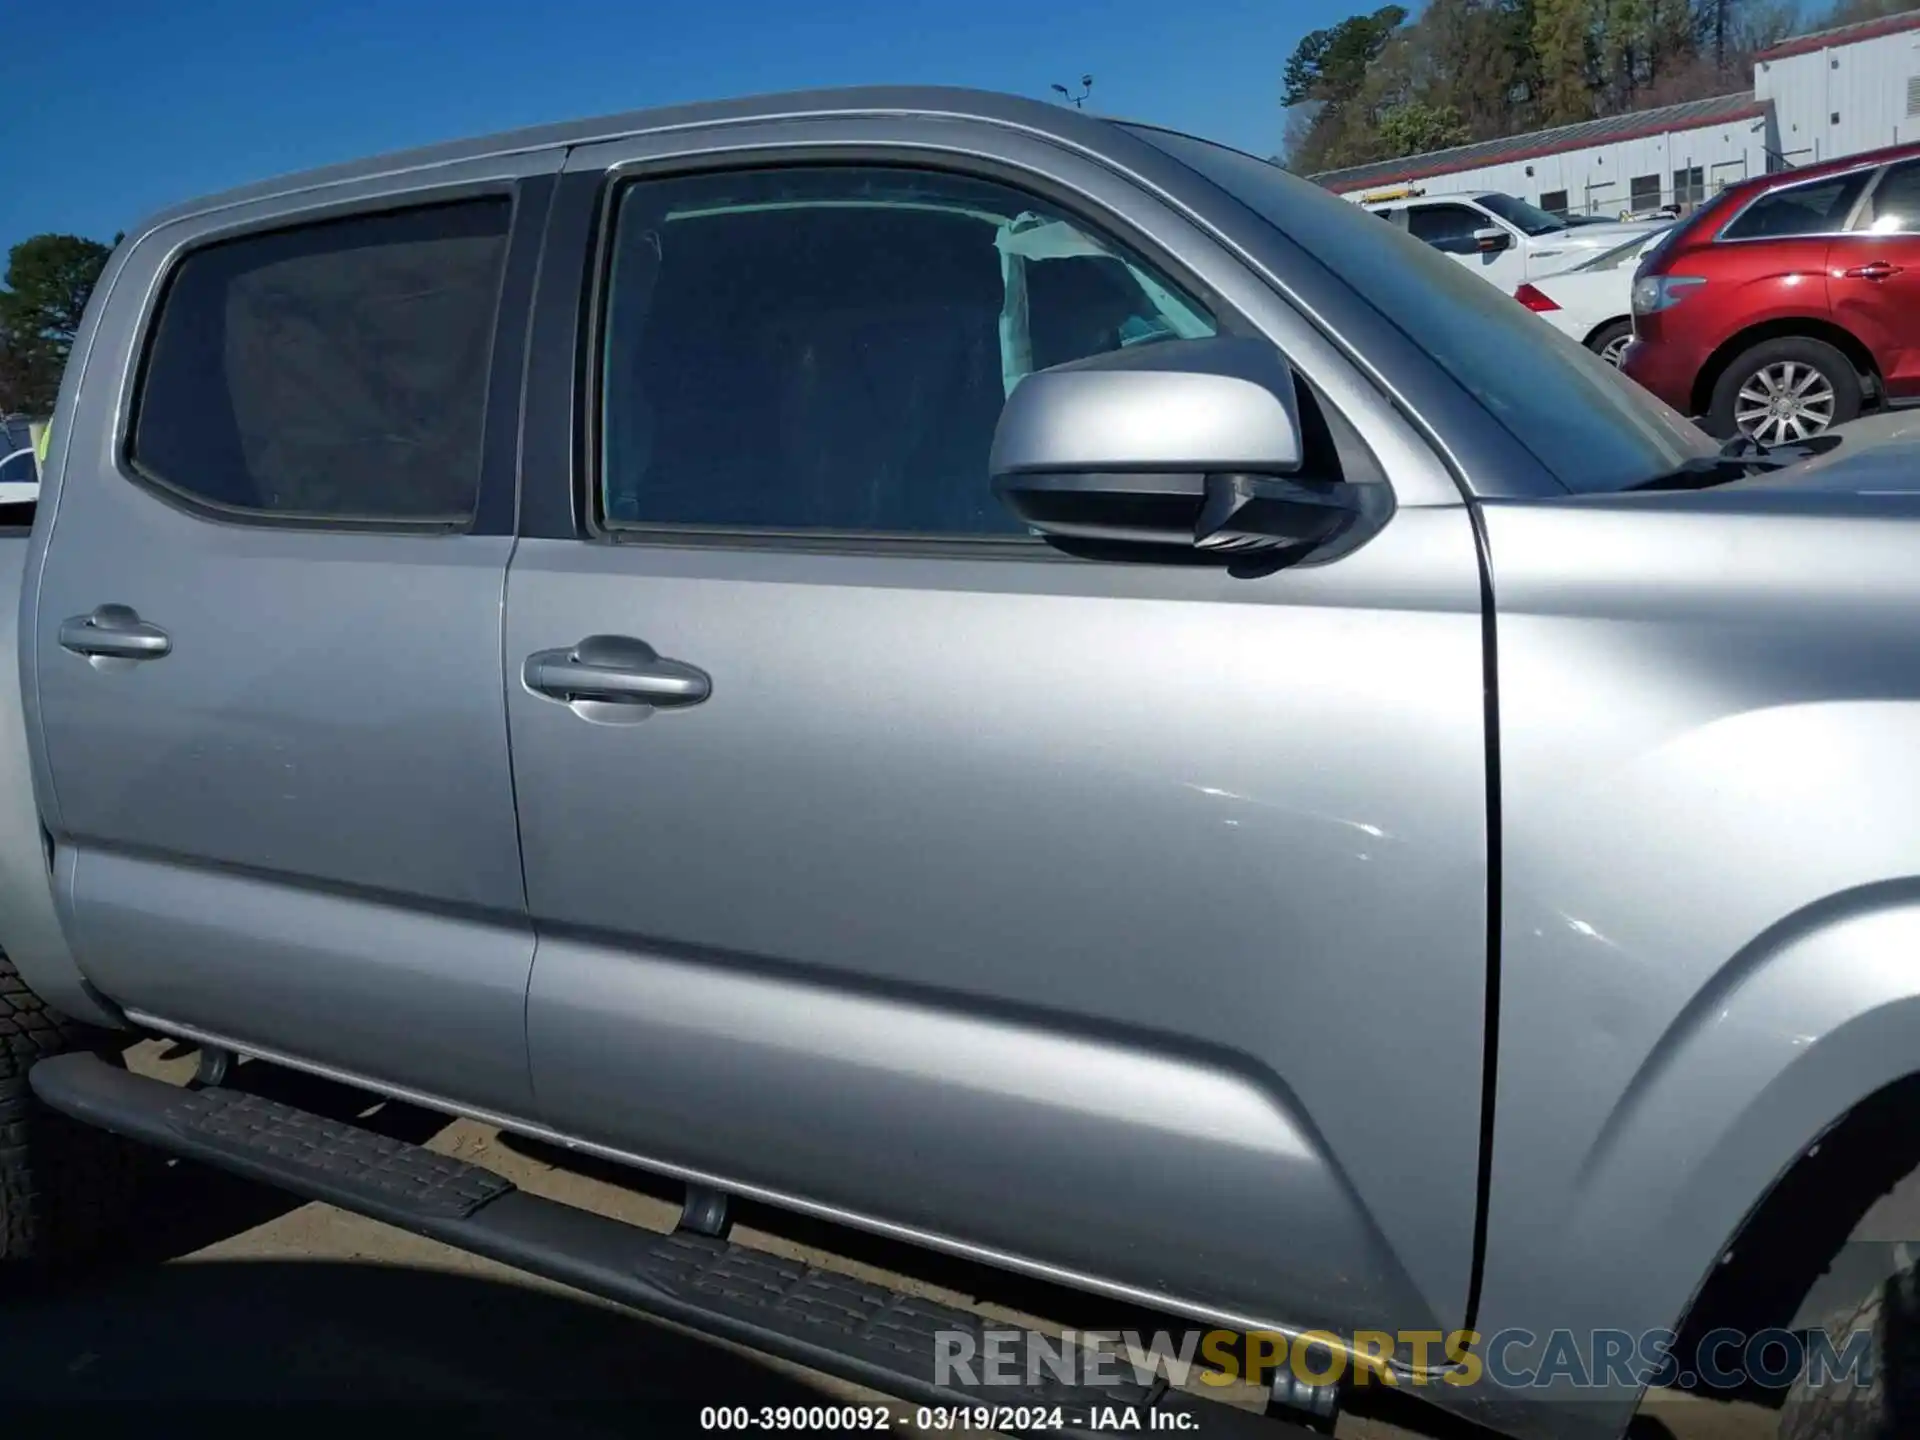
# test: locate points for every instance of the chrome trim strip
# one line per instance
(965, 1250)
(1754, 199)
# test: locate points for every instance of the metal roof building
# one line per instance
(1815, 97)
(1838, 92)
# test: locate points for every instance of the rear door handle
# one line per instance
(114, 632)
(1873, 270)
(614, 669)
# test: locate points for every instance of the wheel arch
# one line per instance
(1792, 1234)
(1749, 1146)
(1823, 1123)
(1810, 327)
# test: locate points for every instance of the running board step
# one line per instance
(830, 1322)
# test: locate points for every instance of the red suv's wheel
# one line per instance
(1784, 390)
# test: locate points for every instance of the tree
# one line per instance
(1416, 127)
(1849, 12)
(1330, 65)
(1562, 33)
(48, 281)
(1379, 85)
(1715, 23)
(1476, 59)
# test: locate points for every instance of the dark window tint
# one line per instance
(1816, 208)
(1643, 192)
(1554, 202)
(1689, 185)
(830, 348)
(1896, 201)
(336, 370)
(1447, 227)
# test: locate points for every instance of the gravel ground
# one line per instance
(240, 1309)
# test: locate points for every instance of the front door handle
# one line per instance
(114, 632)
(617, 670)
(1873, 270)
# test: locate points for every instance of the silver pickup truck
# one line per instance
(1025, 683)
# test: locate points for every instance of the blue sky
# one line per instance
(111, 109)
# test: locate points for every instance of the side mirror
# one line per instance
(1182, 449)
(1491, 239)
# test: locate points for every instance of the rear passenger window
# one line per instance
(1817, 208)
(828, 349)
(334, 371)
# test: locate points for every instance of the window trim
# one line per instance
(589, 519)
(1769, 191)
(526, 197)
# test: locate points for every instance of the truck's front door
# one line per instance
(1123, 919)
(266, 632)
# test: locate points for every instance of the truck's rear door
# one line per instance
(1126, 918)
(266, 631)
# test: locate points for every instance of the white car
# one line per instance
(1592, 302)
(19, 478)
(1502, 239)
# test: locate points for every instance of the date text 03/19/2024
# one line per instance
(982, 1418)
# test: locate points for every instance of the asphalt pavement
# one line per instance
(231, 1308)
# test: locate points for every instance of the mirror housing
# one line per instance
(1190, 449)
(1491, 239)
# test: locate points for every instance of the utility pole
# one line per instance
(1080, 100)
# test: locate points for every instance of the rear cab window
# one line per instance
(335, 370)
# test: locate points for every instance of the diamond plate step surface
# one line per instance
(405, 1175)
(895, 1331)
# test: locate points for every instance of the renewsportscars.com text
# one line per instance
(1512, 1359)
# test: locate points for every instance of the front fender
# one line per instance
(1811, 1020)
(1709, 714)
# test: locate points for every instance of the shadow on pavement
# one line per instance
(279, 1348)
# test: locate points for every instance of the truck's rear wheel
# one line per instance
(1888, 1405)
(63, 1185)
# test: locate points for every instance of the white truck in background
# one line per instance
(1499, 237)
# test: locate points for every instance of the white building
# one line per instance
(1842, 91)
(1815, 97)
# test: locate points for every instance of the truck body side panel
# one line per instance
(296, 825)
(1711, 944)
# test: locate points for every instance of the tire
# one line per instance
(1888, 1408)
(1610, 339)
(1804, 369)
(63, 1186)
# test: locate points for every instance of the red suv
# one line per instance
(1790, 302)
